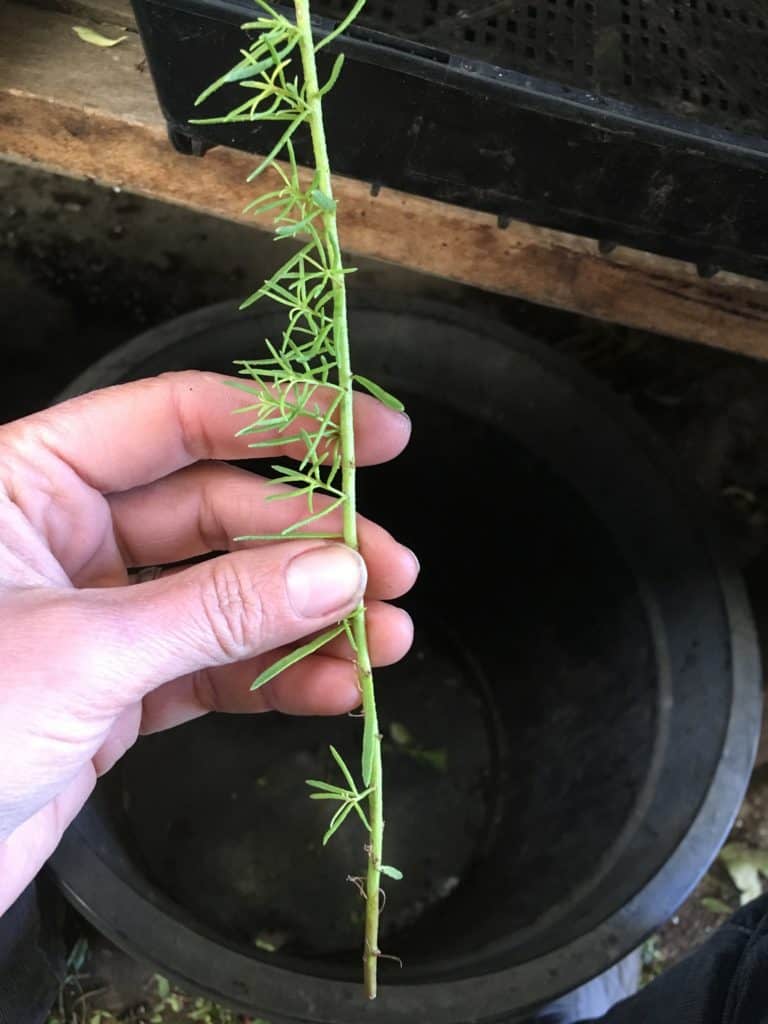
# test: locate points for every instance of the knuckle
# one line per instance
(205, 690)
(193, 426)
(210, 477)
(234, 610)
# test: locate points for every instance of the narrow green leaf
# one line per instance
(350, 634)
(391, 872)
(277, 276)
(289, 230)
(295, 536)
(361, 815)
(272, 155)
(369, 748)
(291, 476)
(271, 423)
(242, 386)
(275, 442)
(327, 787)
(337, 821)
(378, 392)
(270, 11)
(334, 467)
(278, 193)
(289, 530)
(326, 428)
(342, 26)
(333, 78)
(232, 118)
(262, 24)
(258, 211)
(248, 70)
(291, 493)
(295, 656)
(341, 763)
(95, 38)
(204, 95)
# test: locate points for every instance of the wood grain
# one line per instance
(90, 112)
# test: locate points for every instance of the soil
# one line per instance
(84, 268)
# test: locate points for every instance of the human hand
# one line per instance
(122, 478)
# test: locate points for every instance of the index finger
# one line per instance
(132, 434)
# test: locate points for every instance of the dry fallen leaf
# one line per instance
(745, 865)
(88, 35)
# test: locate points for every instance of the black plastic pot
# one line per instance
(583, 701)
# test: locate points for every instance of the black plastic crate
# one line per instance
(643, 122)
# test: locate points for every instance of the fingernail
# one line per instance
(415, 558)
(323, 580)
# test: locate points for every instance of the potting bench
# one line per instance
(91, 112)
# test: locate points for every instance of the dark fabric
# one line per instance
(724, 982)
(31, 962)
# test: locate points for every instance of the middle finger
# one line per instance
(204, 507)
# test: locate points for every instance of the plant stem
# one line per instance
(347, 440)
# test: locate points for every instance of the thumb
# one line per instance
(220, 611)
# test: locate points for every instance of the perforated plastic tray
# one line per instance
(642, 122)
(690, 58)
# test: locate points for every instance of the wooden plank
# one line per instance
(85, 111)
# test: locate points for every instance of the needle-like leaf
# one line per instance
(337, 821)
(379, 392)
(296, 655)
(344, 770)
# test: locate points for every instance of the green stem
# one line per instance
(347, 440)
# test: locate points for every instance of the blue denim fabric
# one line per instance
(596, 998)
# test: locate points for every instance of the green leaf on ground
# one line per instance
(716, 906)
(400, 734)
(88, 35)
